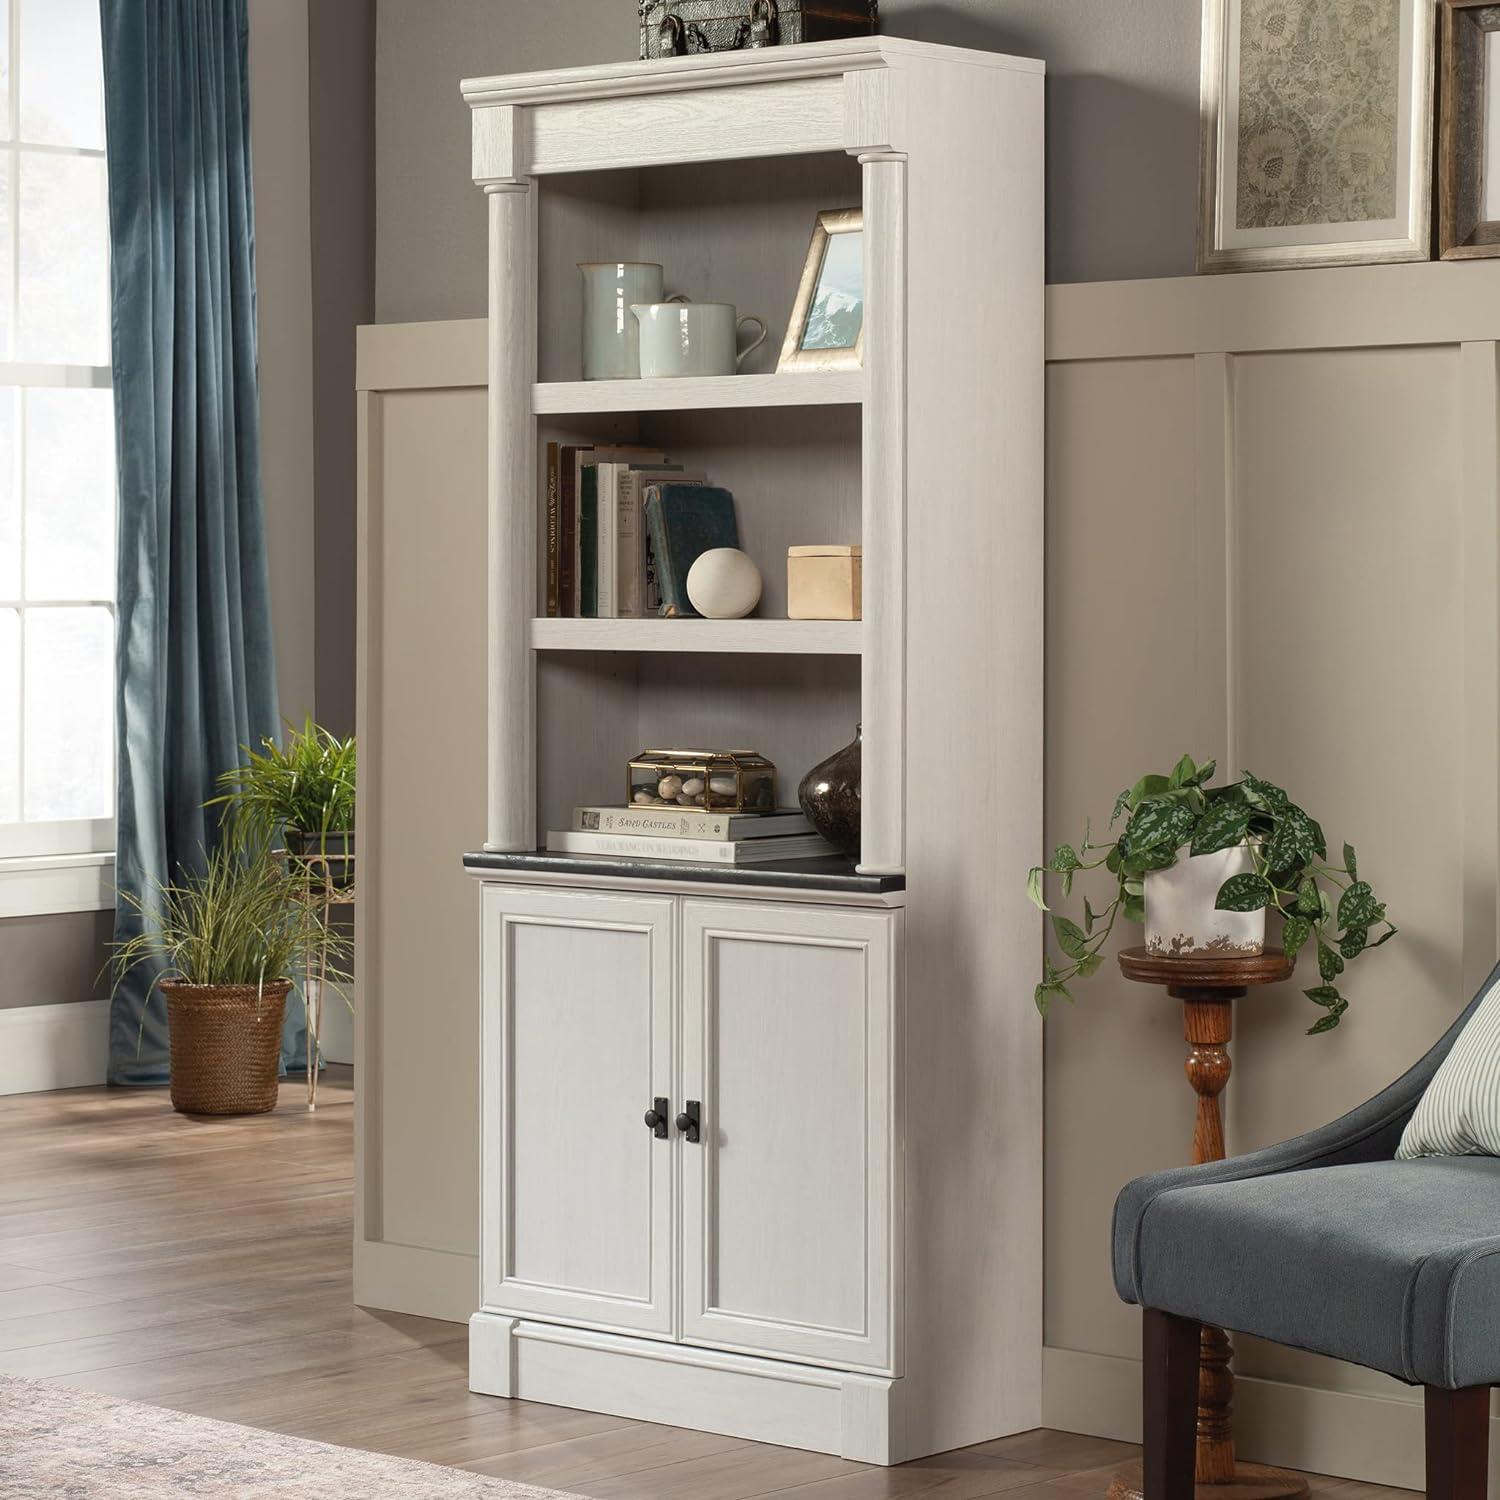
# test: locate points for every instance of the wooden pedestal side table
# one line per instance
(1208, 988)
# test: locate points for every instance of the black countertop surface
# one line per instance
(829, 872)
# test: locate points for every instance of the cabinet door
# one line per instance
(788, 1220)
(577, 1045)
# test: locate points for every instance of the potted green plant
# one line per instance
(228, 941)
(1249, 850)
(301, 792)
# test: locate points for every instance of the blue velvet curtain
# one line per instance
(195, 675)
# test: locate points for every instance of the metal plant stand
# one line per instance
(330, 885)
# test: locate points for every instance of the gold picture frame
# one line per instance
(1275, 193)
(826, 308)
(1468, 222)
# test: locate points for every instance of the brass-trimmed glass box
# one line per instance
(740, 781)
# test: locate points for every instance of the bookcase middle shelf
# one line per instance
(760, 637)
(699, 393)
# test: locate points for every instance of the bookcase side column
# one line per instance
(512, 515)
(883, 483)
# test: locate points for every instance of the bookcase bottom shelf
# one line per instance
(763, 637)
(831, 872)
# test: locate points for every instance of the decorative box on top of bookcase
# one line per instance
(906, 987)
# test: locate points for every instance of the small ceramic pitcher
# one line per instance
(611, 336)
(692, 338)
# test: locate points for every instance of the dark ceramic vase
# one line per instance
(829, 797)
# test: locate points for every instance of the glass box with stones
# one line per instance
(741, 781)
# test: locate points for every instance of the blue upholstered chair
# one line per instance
(1325, 1243)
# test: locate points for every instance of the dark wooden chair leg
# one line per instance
(1169, 1374)
(1458, 1443)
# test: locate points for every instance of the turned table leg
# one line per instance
(1208, 1027)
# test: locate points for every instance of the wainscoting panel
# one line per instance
(1271, 539)
(421, 724)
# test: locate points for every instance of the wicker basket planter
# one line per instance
(225, 1043)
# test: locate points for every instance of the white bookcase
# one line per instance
(848, 1255)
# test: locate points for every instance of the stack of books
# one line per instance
(623, 526)
(694, 835)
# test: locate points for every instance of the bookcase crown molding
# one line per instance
(821, 96)
(713, 69)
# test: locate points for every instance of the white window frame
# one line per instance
(65, 865)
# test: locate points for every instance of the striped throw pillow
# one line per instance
(1459, 1113)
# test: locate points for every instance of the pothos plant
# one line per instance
(1321, 903)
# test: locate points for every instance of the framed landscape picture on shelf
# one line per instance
(1317, 133)
(826, 330)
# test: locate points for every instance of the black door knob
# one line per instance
(657, 1117)
(687, 1121)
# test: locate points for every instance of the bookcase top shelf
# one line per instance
(760, 637)
(699, 393)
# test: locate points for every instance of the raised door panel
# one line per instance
(578, 1043)
(788, 1197)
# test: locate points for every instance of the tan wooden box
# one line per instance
(823, 582)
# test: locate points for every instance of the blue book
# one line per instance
(683, 521)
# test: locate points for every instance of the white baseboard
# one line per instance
(1377, 1439)
(408, 1279)
(53, 1046)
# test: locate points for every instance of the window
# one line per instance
(57, 468)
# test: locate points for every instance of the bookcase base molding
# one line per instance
(763, 1400)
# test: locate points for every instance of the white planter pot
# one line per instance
(1181, 920)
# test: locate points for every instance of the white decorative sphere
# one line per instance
(723, 584)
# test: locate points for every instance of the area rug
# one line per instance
(65, 1444)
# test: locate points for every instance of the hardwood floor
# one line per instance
(206, 1266)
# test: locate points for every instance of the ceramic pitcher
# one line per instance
(611, 335)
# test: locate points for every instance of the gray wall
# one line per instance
(312, 118)
(341, 159)
(53, 960)
(1122, 125)
(283, 249)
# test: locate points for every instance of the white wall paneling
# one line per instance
(1149, 423)
(1272, 538)
(422, 794)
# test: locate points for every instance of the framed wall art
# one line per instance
(827, 328)
(1469, 130)
(1317, 133)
